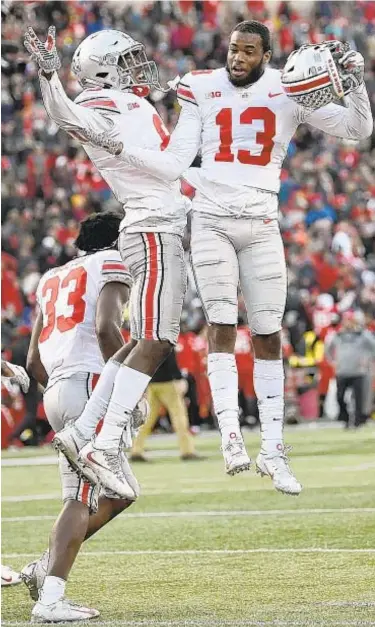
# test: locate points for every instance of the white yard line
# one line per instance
(213, 513)
(149, 491)
(216, 623)
(357, 468)
(347, 603)
(51, 460)
(319, 550)
(16, 462)
(26, 498)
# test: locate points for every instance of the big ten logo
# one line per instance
(213, 94)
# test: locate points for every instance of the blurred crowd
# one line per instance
(48, 185)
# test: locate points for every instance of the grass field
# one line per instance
(201, 548)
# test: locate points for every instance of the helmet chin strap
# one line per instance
(142, 91)
(139, 90)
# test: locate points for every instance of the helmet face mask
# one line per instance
(114, 60)
(136, 70)
(313, 77)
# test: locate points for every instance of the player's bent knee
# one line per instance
(74, 488)
(91, 503)
(160, 348)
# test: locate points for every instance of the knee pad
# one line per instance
(266, 322)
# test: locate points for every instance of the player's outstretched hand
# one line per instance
(43, 53)
(16, 374)
(102, 140)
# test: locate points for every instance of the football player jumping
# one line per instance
(242, 118)
(115, 73)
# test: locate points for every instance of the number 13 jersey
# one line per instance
(245, 131)
(243, 134)
(67, 297)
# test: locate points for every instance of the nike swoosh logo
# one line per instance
(93, 461)
(279, 93)
(6, 579)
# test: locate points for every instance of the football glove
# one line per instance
(44, 54)
(102, 140)
(353, 72)
(19, 375)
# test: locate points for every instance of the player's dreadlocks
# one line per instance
(252, 26)
(98, 232)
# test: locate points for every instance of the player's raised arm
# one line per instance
(168, 164)
(354, 122)
(314, 76)
(180, 153)
(65, 113)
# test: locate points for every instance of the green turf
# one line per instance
(208, 570)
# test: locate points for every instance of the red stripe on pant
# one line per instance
(95, 379)
(151, 286)
(85, 493)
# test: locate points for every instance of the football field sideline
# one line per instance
(90, 554)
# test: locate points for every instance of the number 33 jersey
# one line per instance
(67, 297)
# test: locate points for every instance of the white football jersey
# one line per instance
(151, 203)
(67, 297)
(245, 131)
(243, 134)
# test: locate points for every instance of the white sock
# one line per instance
(269, 388)
(53, 590)
(223, 377)
(97, 404)
(128, 389)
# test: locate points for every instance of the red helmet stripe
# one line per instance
(301, 88)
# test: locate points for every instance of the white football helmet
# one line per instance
(313, 77)
(110, 58)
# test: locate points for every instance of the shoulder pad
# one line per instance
(194, 84)
(112, 268)
(109, 100)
